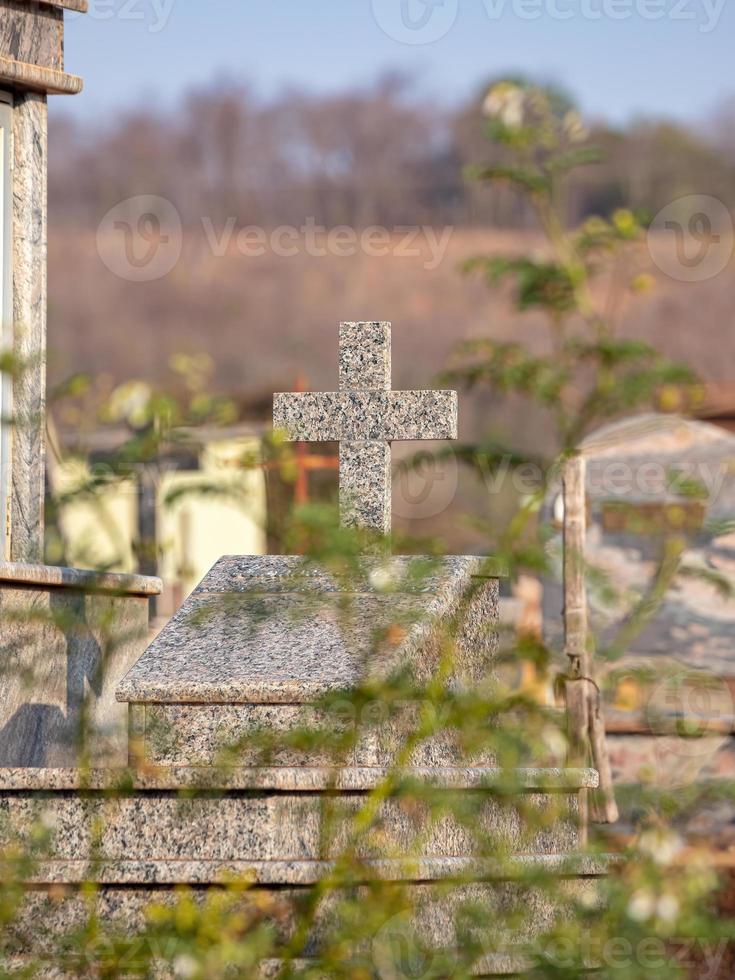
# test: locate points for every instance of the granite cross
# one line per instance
(365, 417)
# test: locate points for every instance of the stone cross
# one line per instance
(365, 416)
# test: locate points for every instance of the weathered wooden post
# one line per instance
(67, 636)
(585, 722)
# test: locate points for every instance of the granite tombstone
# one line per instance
(256, 649)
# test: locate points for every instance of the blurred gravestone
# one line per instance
(651, 480)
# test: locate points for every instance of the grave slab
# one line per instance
(266, 629)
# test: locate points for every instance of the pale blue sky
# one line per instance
(679, 64)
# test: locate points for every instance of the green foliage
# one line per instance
(587, 374)
(547, 285)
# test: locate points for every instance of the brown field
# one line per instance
(263, 320)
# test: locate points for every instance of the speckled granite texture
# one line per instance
(299, 780)
(56, 577)
(364, 356)
(32, 34)
(365, 481)
(241, 827)
(256, 734)
(391, 416)
(268, 630)
(32, 47)
(400, 574)
(532, 908)
(28, 456)
(150, 839)
(365, 416)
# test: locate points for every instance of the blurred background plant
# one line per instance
(578, 280)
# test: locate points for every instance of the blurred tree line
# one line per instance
(383, 154)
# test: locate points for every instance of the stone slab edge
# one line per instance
(53, 577)
(237, 573)
(304, 780)
(37, 79)
(80, 6)
(309, 872)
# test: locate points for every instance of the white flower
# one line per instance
(130, 401)
(49, 820)
(505, 101)
(384, 578)
(667, 908)
(590, 898)
(661, 845)
(185, 966)
(554, 740)
(641, 906)
(575, 129)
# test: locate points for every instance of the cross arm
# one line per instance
(357, 416)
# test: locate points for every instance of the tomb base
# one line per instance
(139, 838)
(258, 649)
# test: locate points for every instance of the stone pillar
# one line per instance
(28, 454)
(31, 67)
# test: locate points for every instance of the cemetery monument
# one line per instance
(254, 650)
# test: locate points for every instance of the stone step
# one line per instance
(312, 779)
(125, 872)
(518, 911)
(141, 828)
